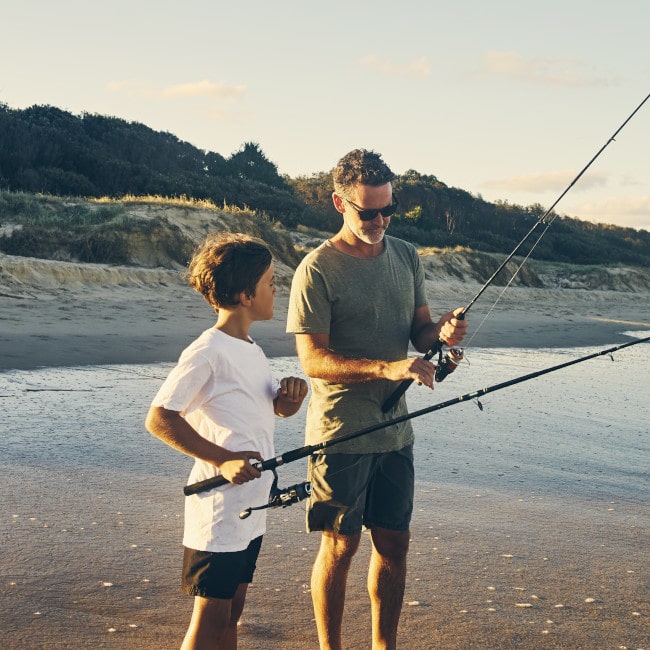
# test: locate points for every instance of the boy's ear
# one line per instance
(245, 299)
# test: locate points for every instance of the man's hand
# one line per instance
(416, 369)
(452, 330)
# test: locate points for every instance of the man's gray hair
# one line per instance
(360, 167)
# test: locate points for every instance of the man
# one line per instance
(356, 302)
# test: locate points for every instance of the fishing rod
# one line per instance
(308, 450)
(448, 363)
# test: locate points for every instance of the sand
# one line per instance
(488, 572)
(120, 315)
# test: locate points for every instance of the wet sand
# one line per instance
(96, 565)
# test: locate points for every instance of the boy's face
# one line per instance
(262, 304)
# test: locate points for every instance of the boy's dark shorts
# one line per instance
(218, 575)
(351, 490)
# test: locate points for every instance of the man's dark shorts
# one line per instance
(218, 575)
(351, 490)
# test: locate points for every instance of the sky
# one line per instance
(508, 100)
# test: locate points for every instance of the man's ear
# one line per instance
(338, 203)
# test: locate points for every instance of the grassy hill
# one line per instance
(150, 240)
(50, 152)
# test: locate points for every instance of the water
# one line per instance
(545, 488)
(581, 431)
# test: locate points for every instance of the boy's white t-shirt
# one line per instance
(224, 388)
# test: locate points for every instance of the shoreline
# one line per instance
(135, 325)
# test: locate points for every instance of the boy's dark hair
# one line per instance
(363, 167)
(227, 264)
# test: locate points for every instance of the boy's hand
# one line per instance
(237, 468)
(292, 389)
(290, 396)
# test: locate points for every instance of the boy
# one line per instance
(217, 405)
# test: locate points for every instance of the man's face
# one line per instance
(368, 197)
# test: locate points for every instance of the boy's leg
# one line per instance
(222, 579)
(214, 622)
(229, 638)
(210, 619)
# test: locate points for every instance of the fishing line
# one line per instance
(439, 344)
(302, 452)
(512, 279)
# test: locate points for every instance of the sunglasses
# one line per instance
(368, 214)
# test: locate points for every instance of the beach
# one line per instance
(77, 322)
(531, 522)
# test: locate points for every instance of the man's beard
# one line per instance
(371, 235)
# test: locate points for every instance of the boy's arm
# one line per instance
(290, 396)
(174, 430)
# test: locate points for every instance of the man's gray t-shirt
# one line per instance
(366, 305)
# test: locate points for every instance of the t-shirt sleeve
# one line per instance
(420, 286)
(309, 307)
(184, 383)
(275, 386)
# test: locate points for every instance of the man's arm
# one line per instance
(319, 361)
(424, 332)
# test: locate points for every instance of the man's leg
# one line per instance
(328, 581)
(386, 582)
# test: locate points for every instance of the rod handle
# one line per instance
(403, 387)
(270, 463)
(213, 482)
(204, 486)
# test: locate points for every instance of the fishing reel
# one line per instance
(448, 363)
(281, 497)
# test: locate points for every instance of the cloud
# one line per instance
(415, 68)
(633, 212)
(548, 182)
(199, 89)
(128, 87)
(545, 71)
(204, 88)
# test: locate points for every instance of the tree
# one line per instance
(250, 163)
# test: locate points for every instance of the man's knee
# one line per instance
(339, 548)
(391, 544)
